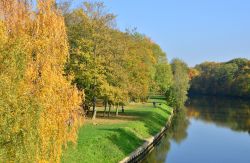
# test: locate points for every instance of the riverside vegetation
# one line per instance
(230, 78)
(111, 140)
(56, 63)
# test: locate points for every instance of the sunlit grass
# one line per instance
(114, 139)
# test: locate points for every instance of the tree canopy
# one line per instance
(230, 78)
(110, 64)
(177, 93)
(39, 107)
(54, 61)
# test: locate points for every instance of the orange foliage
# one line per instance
(192, 73)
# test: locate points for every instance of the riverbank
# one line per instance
(112, 139)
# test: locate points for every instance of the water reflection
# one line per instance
(207, 122)
(225, 112)
(177, 132)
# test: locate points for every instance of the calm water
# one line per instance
(209, 130)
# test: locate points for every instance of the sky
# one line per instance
(192, 30)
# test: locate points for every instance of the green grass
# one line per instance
(162, 97)
(111, 142)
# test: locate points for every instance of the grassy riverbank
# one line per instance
(112, 139)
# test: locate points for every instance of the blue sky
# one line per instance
(193, 30)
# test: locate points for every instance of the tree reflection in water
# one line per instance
(232, 113)
(177, 132)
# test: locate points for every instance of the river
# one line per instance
(208, 130)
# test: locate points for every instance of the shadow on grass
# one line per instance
(124, 139)
(164, 109)
(153, 121)
(121, 116)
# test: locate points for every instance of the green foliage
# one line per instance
(163, 77)
(171, 96)
(177, 93)
(226, 79)
(111, 64)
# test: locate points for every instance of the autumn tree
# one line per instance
(89, 31)
(40, 107)
(108, 64)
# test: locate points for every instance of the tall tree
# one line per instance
(177, 95)
(39, 107)
(88, 36)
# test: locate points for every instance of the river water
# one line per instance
(208, 130)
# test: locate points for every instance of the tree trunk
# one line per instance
(94, 110)
(105, 109)
(122, 108)
(94, 114)
(109, 110)
(117, 108)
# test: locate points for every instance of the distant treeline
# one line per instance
(230, 78)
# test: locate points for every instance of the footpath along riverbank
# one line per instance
(118, 138)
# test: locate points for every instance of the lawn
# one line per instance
(112, 139)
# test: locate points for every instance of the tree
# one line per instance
(88, 33)
(163, 77)
(120, 66)
(40, 107)
(178, 92)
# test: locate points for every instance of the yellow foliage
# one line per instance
(39, 108)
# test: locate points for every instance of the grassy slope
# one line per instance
(112, 140)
